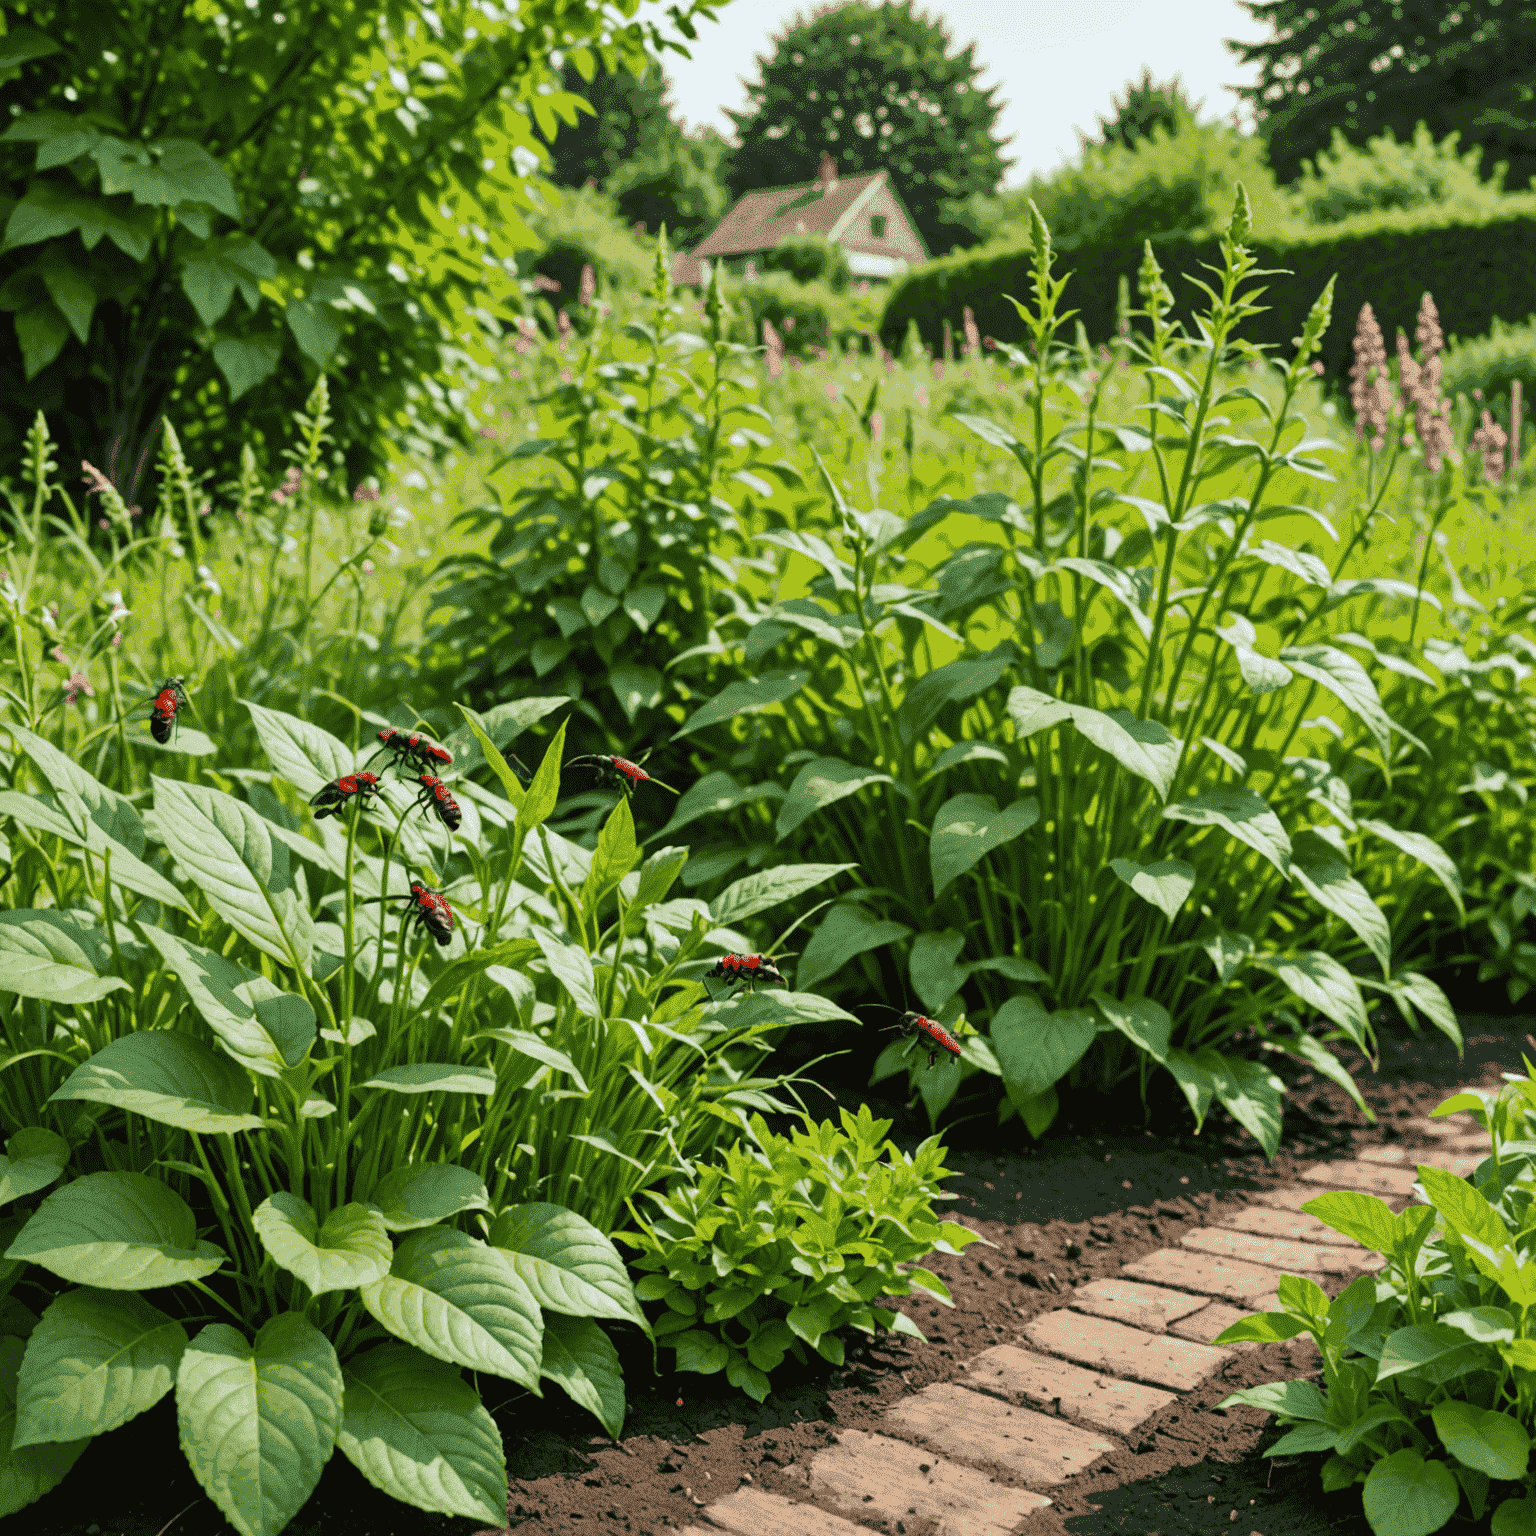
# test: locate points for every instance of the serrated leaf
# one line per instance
(119, 1231)
(258, 1421)
(568, 1264)
(417, 1430)
(462, 1301)
(350, 1250)
(168, 1076)
(95, 1360)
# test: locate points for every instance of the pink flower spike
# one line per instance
(95, 481)
(58, 654)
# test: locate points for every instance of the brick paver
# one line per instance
(1462, 1164)
(1214, 1318)
(1278, 1252)
(976, 1428)
(1205, 1274)
(1387, 1156)
(865, 1475)
(1150, 1357)
(1270, 1221)
(1368, 1177)
(1127, 1301)
(1459, 1124)
(756, 1512)
(1291, 1197)
(1119, 1406)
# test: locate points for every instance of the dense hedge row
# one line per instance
(1478, 271)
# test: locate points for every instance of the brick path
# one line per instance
(1115, 1353)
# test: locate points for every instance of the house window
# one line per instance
(877, 226)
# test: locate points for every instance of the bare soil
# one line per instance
(1066, 1211)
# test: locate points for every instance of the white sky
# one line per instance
(1059, 62)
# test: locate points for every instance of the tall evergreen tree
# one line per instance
(1147, 105)
(877, 88)
(1464, 66)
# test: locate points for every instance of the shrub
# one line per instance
(810, 259)
(1493, 362)
(1427, 1366)
(788, 1242)
(286, 196)
(581, 227)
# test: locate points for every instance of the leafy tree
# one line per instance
(1346, 180)
(207, 205)
(1147, 105)
(1335, 64)
(876, 87)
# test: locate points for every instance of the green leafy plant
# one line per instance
(785, 1242)
(1428, 1367)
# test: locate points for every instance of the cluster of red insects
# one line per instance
(430, 909)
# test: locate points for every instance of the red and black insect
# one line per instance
(619, 770)
(750, 969)
(415, 748)
(935, 1037)
(331, 799)
(430, 910)
(434, 794)
(162, 716)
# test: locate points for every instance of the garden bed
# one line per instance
(1061, 1215)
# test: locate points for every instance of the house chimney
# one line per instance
(826, 172)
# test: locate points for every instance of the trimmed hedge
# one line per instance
(1477, 269)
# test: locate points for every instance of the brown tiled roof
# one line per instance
(761, 219)
(687, 269)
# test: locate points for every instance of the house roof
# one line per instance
(760, 220)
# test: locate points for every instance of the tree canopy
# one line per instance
(1146, 105)
(1335, 64)
(877, 88)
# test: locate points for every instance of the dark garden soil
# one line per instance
(1070, 1210)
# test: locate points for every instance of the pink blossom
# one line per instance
(1490, 440)
(367, 567)
(565, 331)
(117, 641)
(1317, 367)
(58, 654)
(506, 415)
(488, 432)
(972, 335)
(588, 284)
(366, 492)
(546, 284)
(95, 481)
(565, 375)
(920, 394)
(877, 428)
(833, 391)
(789, 325)
(101, 522)
(290, 486)
(78, 683)
(938, 370)
(1370, 388)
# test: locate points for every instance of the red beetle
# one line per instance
(162, 716)
(933, 1033)
(331, 799)
(434, 793)
(415, 748)
(430, 910)
(750, 969)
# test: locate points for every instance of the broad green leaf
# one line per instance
(226, 849)
(1261, 1328)
(417, 1430)
(1322, 983)
(1351, 684)
(969, 827)
(56, 957)
(1463, 1207)
(258, 1421)
(572, 968)
(579, 1357)
(532, 1046)
(503, 724)
(615, 856)
(434, 1077)
(1143, 747)
(715, 794)
(1321, 1059)
(1514, 1517)
(95, 1360)
(821, 783)
(1034, 1047)
(120, 1231)
(26, 1474)
(1488, 1441)
(1326, 878)
(350, 1250)
(636, 688)
(81, 796)
(847, 930)
(304, 754)
(1143, 1022)
(538, 802)
(756, 893)
(128, 871)
(1120, 583)
(1196, 1073)
(422, 1194)
(1294, 1399)
(40, 329)
(247, 361)
(1424, 1344)
(745, 698)
(1263, 674)
(1013, 967)
(699, 1351)
(264, 1028)
(462, 1301)
(34, 1158)
(168, 1076)
(954, 681)
(1238, 811)
(935, 976)
(568, 1264)
(1424, 995)
(738, 1011)
(1166, 884)
(1487, 1325)
(1039, 1113)
(316, 327)
(1408, 1496)
(1428, 852)
(1253, 1096)
(1365, 1218)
